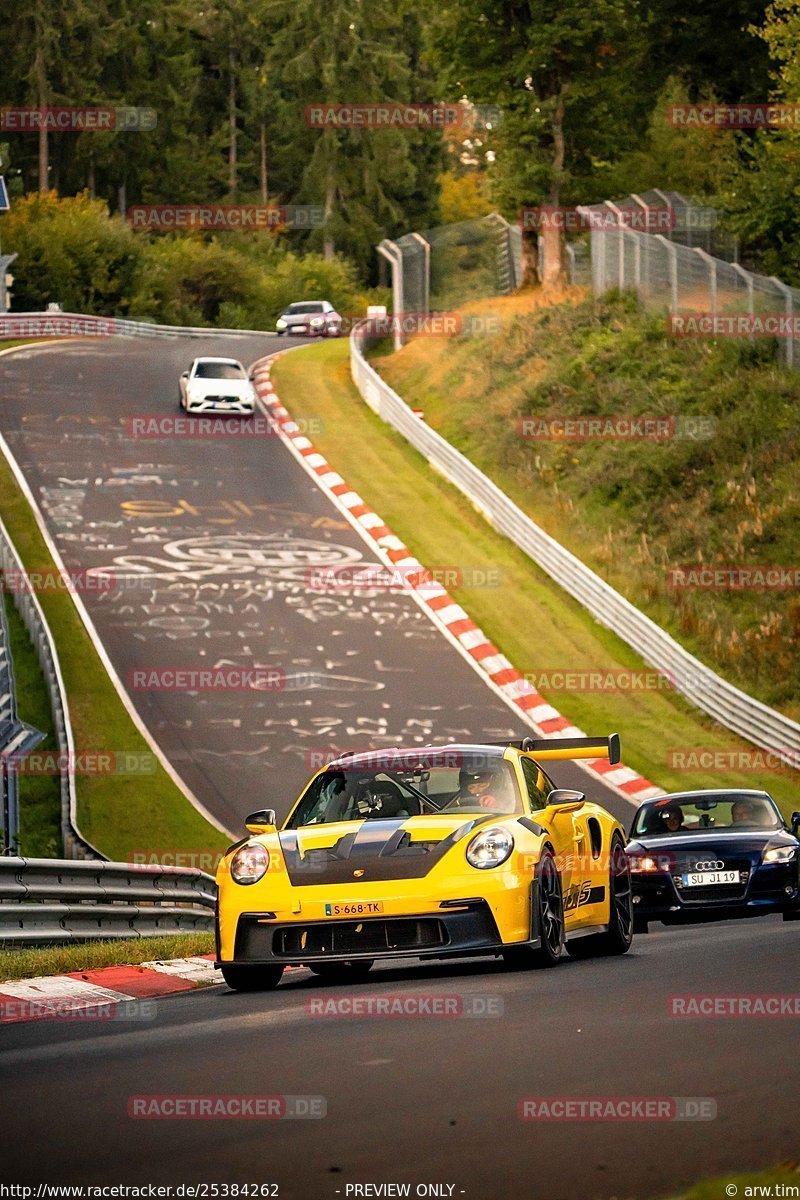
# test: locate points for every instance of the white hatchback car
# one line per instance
(217, 385)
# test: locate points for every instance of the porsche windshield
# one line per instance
(722, 813)
(453, 784)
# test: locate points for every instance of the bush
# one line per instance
(74, 252)
(70, 251)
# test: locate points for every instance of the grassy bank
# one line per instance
(119, 813)
(25, 962)
(527, 615)
(635, 510)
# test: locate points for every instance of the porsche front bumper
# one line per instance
(466, 929)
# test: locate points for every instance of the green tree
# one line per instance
(563, 73)
(763, 190)
(367, 181)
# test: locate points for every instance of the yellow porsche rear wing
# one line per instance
(547, 749)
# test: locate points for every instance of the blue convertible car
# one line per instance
(711, 855)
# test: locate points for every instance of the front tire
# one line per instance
(549, 920)
(252, 979)
(343, 972)
(619, 935)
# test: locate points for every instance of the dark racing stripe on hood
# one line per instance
(377, 850)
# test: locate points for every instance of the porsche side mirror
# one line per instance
(184, 374)
(796, 823)
(566, 800)
(262, 820)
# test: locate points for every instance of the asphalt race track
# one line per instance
(217, 538)
(209, 543)
(427, 1099)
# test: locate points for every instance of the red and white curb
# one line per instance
(105, 993)
(445, 612)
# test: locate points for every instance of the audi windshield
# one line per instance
(723, 813)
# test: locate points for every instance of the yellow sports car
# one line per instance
(427, 853)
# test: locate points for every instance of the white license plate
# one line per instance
(355, 908)
(705, 878)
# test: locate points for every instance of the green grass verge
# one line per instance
(747, 1184)
(39, 795)
(529, 617)
(633, 510)
(25, 962)
(120, 814)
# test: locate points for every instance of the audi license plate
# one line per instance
(705, 878)
(355, 908)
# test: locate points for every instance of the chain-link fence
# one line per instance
(441, 269)
(702, 291)
(668, 249)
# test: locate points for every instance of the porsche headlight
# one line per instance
(249, 863)
(489, 848)
(781, 854)
(280, 323)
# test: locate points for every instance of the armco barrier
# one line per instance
(122, 327)
(749, 718)
(30, 610)
(54, 900)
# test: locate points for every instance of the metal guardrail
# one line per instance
(52, 900)
(122, 327)
(733, 708)
(16, 738)
(30, 610)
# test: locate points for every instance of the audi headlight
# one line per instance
(249, 863)
(489, 848)
(781, 854)
(643, 865)
(280, 323)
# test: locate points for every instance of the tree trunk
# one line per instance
(554, 273)
(40, 71)
(232, 124)
(90, 183)
(262, 137)
(328, 248)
